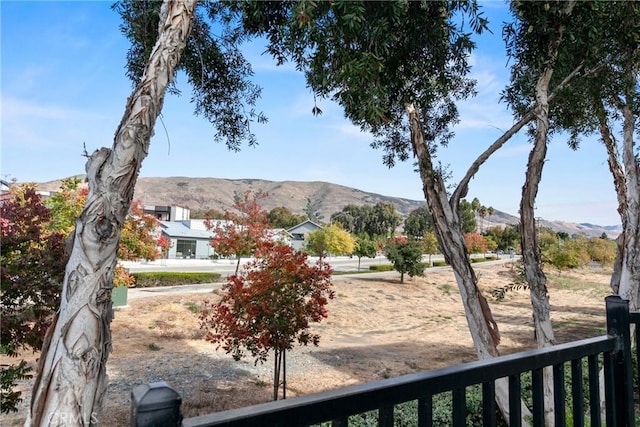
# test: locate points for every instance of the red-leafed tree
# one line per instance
(140, 237)
(476, 243)
(240, 231)
(270, 306)
(33, 261)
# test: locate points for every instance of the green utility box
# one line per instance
(119, 296)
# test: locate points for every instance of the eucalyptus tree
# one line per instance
(354, 218)
(418, 222)
(71, 381)
(606, 103)
(379, 220)
(397, 69)
(468, 221)
(549, 42)
(573, 38)
(384, 220)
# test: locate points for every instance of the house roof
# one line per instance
(180, 230)
(308, 224)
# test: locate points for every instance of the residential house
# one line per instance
(299, 233)
(190, 238)
(168, 213)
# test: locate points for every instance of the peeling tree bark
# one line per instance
(620, 185)
(482, 326)
(625, 280)
(629, 272)
(529, 239)
(71, 379)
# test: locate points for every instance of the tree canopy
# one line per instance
(241, 230)
(270, 306)
(33, 261)
(217, 72)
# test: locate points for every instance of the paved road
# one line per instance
(226, 267)
(142, 293)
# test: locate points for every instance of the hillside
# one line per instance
(217, 193)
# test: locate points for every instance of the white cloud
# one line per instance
(15, 109)
(350, 131)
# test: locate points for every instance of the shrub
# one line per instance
(440, 263)
(166, 278)
(381, 267)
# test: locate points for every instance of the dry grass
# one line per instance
(376, 329)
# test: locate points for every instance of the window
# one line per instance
(186, 249)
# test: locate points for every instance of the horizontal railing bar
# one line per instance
(634, 317)
(320, 407)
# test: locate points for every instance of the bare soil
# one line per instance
(377, 328)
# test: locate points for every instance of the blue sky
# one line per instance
(63, 87)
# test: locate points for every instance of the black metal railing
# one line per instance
(611, 351)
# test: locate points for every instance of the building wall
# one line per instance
(203, 249)
(300, 232)
(179, 213)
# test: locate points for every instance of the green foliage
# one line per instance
(406, 256)
(206, 214)
(505, 237)
(467, 217)
(577, 252)
(311, 209)
(418, 223)
(66, 206)
(481, 211)
(440, 263)
(379, 220)
(384, 220)
(602, 250)
(406, 414)
(332, 239)
(519, 281)
(382, 267)
(374, 58)
(365, 247)
(219, 75)
(430, 243)
(564, 258)
(353, 218)
(282, 217)
(167, 278)
(9, 376)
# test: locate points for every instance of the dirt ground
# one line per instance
(377, 328)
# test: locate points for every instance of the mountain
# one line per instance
(217, 193)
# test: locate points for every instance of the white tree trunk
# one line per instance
(630, 268)
(71, 378)
(530, 250)
(483, 328)
(625, 280)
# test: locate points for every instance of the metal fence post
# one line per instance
(618, 326)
